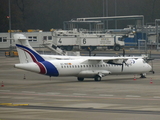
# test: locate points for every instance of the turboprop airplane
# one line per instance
(79, 66)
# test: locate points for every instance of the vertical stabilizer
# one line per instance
(25, 51)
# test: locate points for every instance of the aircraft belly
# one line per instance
(128, 70)
(93, 73)
(68, 72)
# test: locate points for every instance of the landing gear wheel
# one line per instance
(97, 78)
(80, 79)
(143, 75)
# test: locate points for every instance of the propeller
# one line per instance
(123, 62)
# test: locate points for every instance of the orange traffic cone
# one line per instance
(2, 84)
(134, 78)
(151, 82)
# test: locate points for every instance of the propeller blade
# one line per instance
(122, 67)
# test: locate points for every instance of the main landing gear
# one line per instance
(143, 75)
(80, 79)
(97, 78)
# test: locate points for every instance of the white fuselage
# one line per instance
(80, 68)
(74, 67)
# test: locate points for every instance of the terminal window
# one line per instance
(44, 37)
(49, 37)
(3, 39)
(32, 38)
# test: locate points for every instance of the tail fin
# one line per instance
(25, 51)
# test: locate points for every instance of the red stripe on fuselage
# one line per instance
(40, 65)
(32, 56)
(42, 68)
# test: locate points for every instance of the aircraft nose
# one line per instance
(149, 67)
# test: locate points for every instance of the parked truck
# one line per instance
(67, 40)
(64, 39)
(92, 41)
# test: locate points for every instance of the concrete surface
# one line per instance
(39, 97)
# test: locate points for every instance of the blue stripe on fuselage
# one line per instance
(51, 69)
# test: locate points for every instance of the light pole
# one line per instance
(103, 9)
(115, 11)
(107, 12)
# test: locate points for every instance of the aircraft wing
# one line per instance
(110, 60)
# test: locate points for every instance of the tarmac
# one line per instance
(30, 96)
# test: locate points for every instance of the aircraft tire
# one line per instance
(97, 78)
(80, 78)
